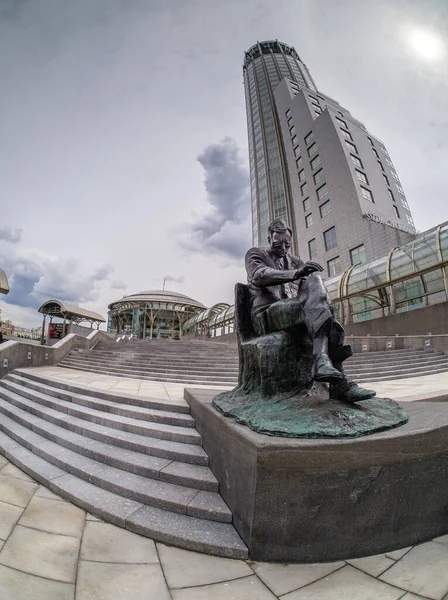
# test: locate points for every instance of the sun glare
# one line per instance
(425, 43)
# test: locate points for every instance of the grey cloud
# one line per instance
(8, 234)
(180, 279)
(34, 279)
(118, 285)
(225, 229)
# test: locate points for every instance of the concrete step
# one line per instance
(432, 360)
(156, 430)
(180, 473)
(179, 351)
(382, 377)
(171, 378)
(411, 371)
(122, 398)
(196, 373)
(183, 530)
(127, 410)
(199, 368)
(181, 452)
(214, 371)
(153, 492)
(204, 361)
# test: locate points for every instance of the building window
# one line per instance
(317, 112)
(396, 211)
(361, 176)
(330, 238)
(306, 204)
(381, 165)
(334, 266)
(385, 179)
(319, 177)
(409, 219)
(312, 150)
(301, 175)
(375, 153)
(292, 131)
(391, 196)
(288, 113)
(367, 194)
(405, 203)
(296, 151)
(299, 162)
(322, 191)
(341, 122)
(347, 135)
(312, 250)
(294, 141)
(309, 138)
(325, 208)
(316, 162)
(394, 175)
(370, 140)
(313, 98)
(358, 255)
(351, 147)
(304, 189)
(316, 105)
(356, 161)
(309, 220)
(400, 189)
(289, 121)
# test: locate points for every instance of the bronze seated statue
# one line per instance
(288, 336)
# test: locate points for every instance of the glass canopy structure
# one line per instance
(152, 314)
(410, 276)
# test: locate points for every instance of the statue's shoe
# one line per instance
(323, 370)
(349, 391)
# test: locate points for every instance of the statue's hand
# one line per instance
(308, 268)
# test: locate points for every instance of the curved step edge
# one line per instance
(190, 533)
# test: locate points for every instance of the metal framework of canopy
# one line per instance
(216, 320)
(70, 312)
(4, 286)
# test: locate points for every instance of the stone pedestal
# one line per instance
(308, 500)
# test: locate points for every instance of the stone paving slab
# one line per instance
(48, 555)
(16, 585)
(39, 561)
(102, 581)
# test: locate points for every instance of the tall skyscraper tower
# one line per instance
(265, 65)
(315, 166)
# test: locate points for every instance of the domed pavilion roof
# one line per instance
(164, 296)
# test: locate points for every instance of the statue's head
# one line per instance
(279, 237)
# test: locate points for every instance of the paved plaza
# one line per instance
(404, 390)
(51, 549)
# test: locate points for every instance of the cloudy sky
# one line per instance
(123, 144)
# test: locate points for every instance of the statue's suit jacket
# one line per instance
(267, 282)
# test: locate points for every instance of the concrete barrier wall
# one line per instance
(15, 355)
(420, 321)
(381, 343)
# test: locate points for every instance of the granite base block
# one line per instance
(318, 500)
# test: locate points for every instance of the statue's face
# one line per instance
(280, 243)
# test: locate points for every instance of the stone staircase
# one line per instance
(135, 461)
(216, 364)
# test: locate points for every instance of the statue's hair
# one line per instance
(278, 226)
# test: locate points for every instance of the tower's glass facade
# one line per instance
(265, 65)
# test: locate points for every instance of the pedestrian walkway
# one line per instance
(410, 389)
(52, 550)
